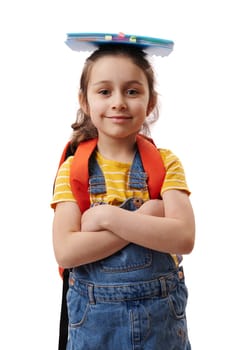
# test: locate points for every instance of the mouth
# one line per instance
(119, 117)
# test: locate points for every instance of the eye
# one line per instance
(104, 92)
(132, 92)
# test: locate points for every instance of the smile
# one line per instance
(119, 117)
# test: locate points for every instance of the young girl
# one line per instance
(126, 284)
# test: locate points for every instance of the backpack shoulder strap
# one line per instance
(153, 165)
(67, 151)
(79, 174)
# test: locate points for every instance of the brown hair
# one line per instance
(83, 128)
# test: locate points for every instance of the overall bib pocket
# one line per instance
(130, 258)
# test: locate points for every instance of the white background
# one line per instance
(39, 77)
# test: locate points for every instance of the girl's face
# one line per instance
(118, 97)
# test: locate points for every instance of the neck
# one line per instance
(122, 150)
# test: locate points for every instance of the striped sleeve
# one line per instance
(62, 189)
(175, 176)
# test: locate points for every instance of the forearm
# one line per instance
(73, 245)
(78, 248)
(173, 233)
(163, 234)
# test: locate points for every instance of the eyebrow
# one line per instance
(109, 82)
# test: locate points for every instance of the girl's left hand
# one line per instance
(93, 219)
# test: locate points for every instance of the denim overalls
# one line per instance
(133, 300)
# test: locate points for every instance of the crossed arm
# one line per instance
(166, 225)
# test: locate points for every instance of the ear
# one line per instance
(152, 103)
(83, 102)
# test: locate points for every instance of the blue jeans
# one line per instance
(133, 300)
(141, 315)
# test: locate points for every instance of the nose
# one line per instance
(118, 102)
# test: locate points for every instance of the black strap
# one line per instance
(63, 332)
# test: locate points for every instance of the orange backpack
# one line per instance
(79, 180)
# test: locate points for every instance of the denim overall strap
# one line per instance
(137, 176)
(96, 177)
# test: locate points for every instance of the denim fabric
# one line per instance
(133, 300)
(96, 180)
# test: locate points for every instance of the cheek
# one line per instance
(144, 108)
(95, 105)
(96, 111)
(141, 107)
